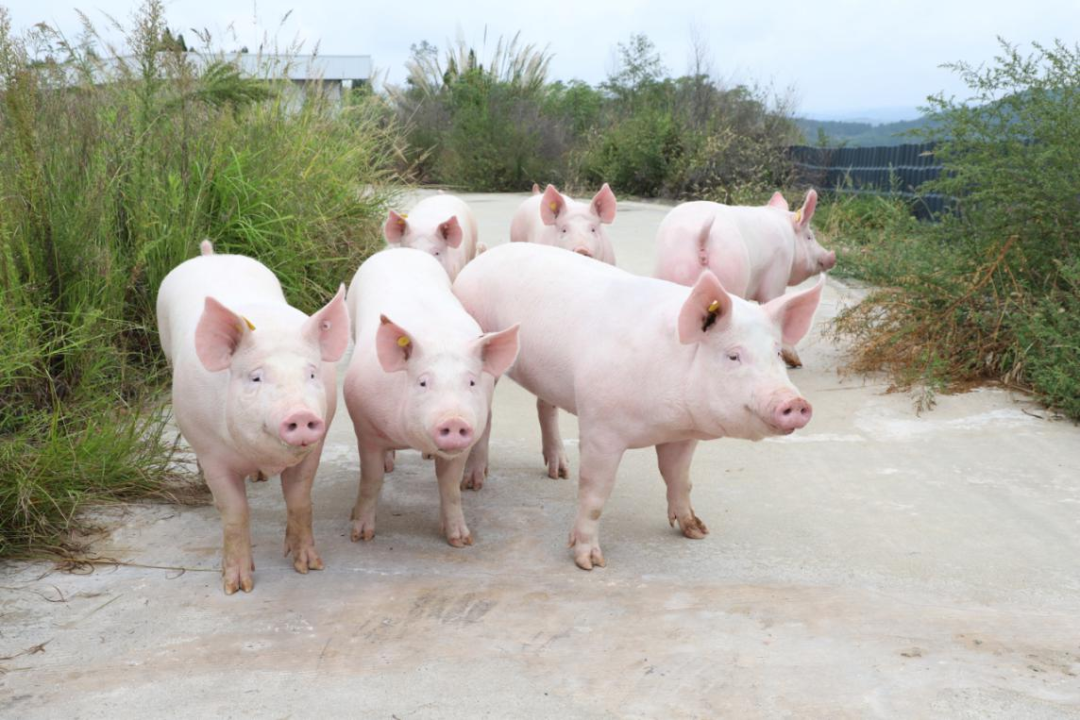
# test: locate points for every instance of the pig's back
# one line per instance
(234, 280)
(412, 289)
(573, 311)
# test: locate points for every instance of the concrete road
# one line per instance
(875, 564)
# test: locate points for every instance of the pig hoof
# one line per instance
(236, 578)
(459, 541)
(304, 556)
(388, 461)
(363, 528)
(690, 524)
(558, 465)
(473, 479)
(791, 358)
(587, 553)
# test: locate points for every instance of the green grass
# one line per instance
(104, 188)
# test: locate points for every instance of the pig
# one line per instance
(253, 392)
(756, 252)
(421, 376)
(441, 225)
(552, 218)
(641, 362)
(555, 219)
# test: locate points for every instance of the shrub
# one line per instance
(984, 294)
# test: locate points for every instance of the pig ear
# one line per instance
(536, 189)
(709, 306)
(603, 204)
(795, 311)
(499, 350)
(777, 201)
(218, 334)
(450, 231)
(393, 344)
(394, 227)
(329, 328)
(552, 205)
(803, 214)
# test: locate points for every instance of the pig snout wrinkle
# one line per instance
(301, 429)
(828, 262)
(792, 414)
(452, 435)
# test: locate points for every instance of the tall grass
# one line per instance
(114, 163)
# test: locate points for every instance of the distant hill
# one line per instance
(857, 134)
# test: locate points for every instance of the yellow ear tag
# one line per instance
(715, 307)
(249, 324)
(554, 206)
(403, 341)
(798, 216)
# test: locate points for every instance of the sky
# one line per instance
(843, 59)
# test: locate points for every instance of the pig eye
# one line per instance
(472, 383)
(423, 383)
(733, 357)
(256, 376)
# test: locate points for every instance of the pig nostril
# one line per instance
(292, 427)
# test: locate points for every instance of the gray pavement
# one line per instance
(875, 564)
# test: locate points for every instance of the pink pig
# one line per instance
(441, 225)
(421, 376)
(552, 218)
(641, 362)
(254, 389)
(756, 252)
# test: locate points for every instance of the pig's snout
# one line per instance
(453, 435)
(792, 414)
(584, 251)
(302, 428)
(829, 261)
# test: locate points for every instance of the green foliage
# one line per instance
(503, 127)
(111, 170)
(989, 292)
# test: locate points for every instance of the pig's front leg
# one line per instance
(230, 498)
(476, 469)
(449, 473)
(372, 468)
(599, 464)
(674, 460)
(554, 453)
(296, 485)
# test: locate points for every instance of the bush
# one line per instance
(979, 296)
(111, 171)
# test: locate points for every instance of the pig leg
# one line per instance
(230, 498)
(372, 468)
(388, 460)
(476, 469)
(554, 454)
(449, 473)
(599, 464)
(296, 483)
(674, 460)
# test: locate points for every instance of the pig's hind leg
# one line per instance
(449, 473)
(476, 469)
(372, 469)
(554, 453)
(230, 498)
(674, 460)
(296, 485)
